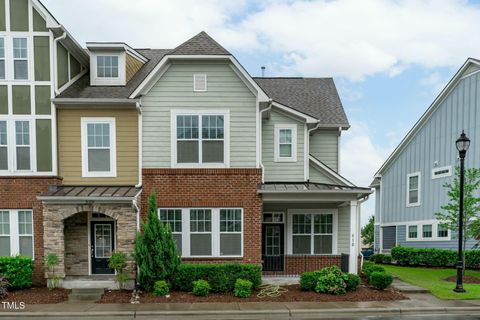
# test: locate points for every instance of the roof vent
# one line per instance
(263, 71)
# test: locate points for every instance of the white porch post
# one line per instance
(353, 258)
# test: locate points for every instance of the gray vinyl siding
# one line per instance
(282, 171)
(449, 244)
(435, 142)
(376, 236)
(174, 90)
(324, 147)
(343, 220)
(317, 176)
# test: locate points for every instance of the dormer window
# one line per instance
(107, 67)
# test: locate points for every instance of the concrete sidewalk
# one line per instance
(420, 304)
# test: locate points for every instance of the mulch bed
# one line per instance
(38, 295)
(363, 293)
(466, 279)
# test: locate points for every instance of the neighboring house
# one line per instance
(409, 185)
(245, 169)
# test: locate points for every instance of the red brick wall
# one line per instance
(21, 193)
(296, 265)
(211, 188)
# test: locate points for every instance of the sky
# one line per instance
(389, 58)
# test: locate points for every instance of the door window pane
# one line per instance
(103, 240)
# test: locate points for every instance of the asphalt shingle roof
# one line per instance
(201, 44)
(316, 97)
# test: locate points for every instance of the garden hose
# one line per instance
(271, 290)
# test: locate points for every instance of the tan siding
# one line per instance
(133, 65)
(69, 146)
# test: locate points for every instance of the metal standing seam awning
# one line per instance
(91, 193)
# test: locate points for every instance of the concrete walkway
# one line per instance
(419, 304)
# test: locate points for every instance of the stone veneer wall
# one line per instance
(54, 228)
(76, 245)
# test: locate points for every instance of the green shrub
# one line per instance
(331, 280)
(380, 280)
(4, 284)
(161, 288)
(17, 271)
(381, 258)
(156, 252)
(243, 288)
(200, 288)
(308, 280)
(352, 282)
(118, 262)
(367, 270)
(221, 277)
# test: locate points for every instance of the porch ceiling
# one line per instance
(91, 193)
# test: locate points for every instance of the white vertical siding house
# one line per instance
(409, 185)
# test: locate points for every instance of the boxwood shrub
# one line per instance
(381, 258)
(380, 280)
(221, 277)
(433, 257)
(243, 288)
(201, 288)
(17, 270)
(308, 280)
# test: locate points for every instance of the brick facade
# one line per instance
(211, 188)
(297, 264)
(21, 193)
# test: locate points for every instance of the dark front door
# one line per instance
(102, 245)
(273, 247)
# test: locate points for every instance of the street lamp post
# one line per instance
(462, 146)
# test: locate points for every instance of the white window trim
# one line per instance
(419, 224)
(204, 76)
(31, 138)
(419, 202)
(122, 73)
(21, 59)
(4, 59)
(113, 148)
(215, 232)
(277, 156)
(290, 214)
(443, 175)
(15, 232)
(226, 138)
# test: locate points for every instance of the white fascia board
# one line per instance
(307, 118)
(426, 116)
(156, 73)
(120, 46)
(330, 172)
(95, 101)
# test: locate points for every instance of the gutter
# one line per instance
(354, 191)
(55, 76)
(97, 101)
(270, 102)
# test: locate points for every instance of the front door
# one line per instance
(272, 247)
(102, 245)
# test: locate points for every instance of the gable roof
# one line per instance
(316, 97)
(329, 171)
(428, 113)
(82, 89)
(201, 44)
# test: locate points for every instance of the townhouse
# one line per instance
(245, 169)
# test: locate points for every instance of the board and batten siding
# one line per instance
(282, 171)
(69, 146)
(324, 147)
(174, 91)
(434, 143)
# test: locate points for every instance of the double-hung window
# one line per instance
(427, 231)
(412, 232)
(3, 146)
(285, 149)
(173, 218)
(107, 67)
(230, 232)
(442, 231)
(312, 233)
(22, 145)
(98, 147)
(201, 232)
(2, 58)
(413, 189)
(16, 233)
(20, 58)
(201, 139)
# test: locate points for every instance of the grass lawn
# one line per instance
(433, 280)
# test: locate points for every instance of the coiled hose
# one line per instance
(271, 290)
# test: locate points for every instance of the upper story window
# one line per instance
(285, 143)
(2, 58)
(107, 66)
(98, 147)
(20, 58)
(201, 139)
(413, 189)
(22, 145)
(3, 146)
(200, 82)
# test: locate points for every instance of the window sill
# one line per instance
(100, 175)
(412, 205)
(285, 160)
(196, 165)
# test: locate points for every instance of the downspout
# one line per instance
(140, 144)
(261, 138)
(307, 159)
(55, 67)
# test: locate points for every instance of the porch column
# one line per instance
(353, 258)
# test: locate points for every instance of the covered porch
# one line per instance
(308, 226)
(83, 226)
